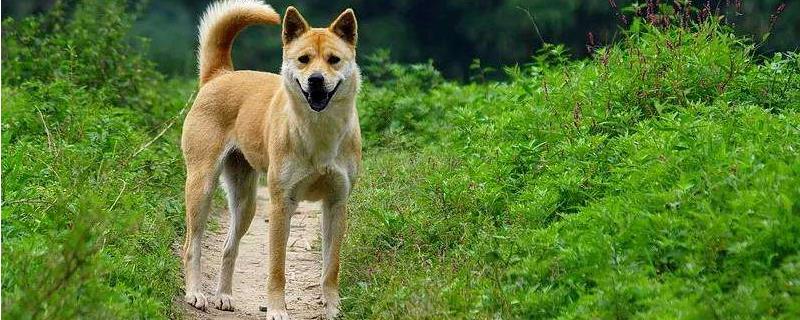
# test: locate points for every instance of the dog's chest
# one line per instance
(319, 143)
(318, 163)
(308, 180)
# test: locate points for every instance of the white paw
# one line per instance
(331, 305)
(196, 299)
(222, 302)
(277, 314)
(331, 310)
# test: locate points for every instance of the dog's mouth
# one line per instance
(317, 97)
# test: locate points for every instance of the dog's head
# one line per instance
(319, 64)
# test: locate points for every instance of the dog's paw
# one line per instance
(331, 310)
(196, 299)
(277, 314)
(331, 305)
(222, 302)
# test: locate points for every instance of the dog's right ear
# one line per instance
(293, 25)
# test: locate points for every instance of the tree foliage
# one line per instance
(451, 33)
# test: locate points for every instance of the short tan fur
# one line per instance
(300, 128)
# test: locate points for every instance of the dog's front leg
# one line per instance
(281, 209)
(334, 224)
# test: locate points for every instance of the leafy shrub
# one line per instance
(657, 180)
(406, 105)
(87, 43)
(91, 191)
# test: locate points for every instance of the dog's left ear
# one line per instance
(346, 27)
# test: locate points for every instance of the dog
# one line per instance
(300, 128)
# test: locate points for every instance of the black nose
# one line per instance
(316, 80)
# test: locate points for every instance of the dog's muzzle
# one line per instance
(317, 95)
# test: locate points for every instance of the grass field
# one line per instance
(658, 179)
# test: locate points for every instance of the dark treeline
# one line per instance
(451, 33)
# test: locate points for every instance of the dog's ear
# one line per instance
(346, 27)
(293, 25)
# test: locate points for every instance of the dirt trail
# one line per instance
(303, 265)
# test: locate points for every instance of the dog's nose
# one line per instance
(316, 80)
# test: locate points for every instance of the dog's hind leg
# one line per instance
(200, 185)
(240, 181)
(203, 158)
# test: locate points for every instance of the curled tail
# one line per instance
(220, 24)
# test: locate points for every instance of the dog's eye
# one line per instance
(333, 60)
(303, 59)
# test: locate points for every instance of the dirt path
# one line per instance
(303, 266)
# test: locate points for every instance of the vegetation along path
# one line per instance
(303, 269)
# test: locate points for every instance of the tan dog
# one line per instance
(300, 128)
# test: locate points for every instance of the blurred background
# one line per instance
(450, 33)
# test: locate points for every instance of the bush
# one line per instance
(91, 191)
(657, 180)
(88, 44)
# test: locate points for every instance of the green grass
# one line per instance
(658, 179)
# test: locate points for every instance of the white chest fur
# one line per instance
(318, 154)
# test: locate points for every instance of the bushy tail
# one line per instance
(220, 24)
